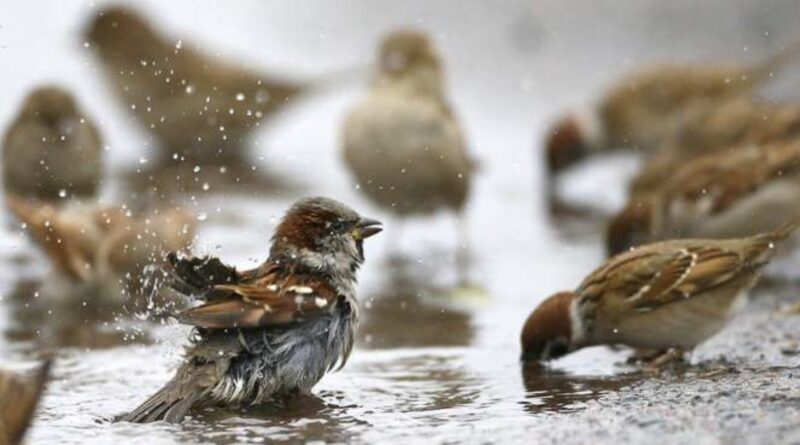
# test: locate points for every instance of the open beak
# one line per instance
(366, 228)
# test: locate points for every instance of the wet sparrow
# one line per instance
(19, 397)
(273, 331)
(672, 294)
(52, 150)
(637, 112)
(732, 193)
(198, 107)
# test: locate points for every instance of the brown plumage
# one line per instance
(402, 142)
(19, 397)
(709, 127)
(672, 294)
(732, 193)
(639, 110)
(90, 243)
(198, 107)
(273, 331)
(52, 150)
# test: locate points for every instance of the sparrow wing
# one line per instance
(197, 276)
(267, 301)
(67, 239)
(663, 273)
(718, 181)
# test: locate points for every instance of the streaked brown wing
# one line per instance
(660, 275)
(261, 304)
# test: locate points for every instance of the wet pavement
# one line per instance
(432, 365)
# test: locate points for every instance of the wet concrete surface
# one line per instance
(433, 364)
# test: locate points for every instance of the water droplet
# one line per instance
(62, 193)
(202, 216)
(239, 97)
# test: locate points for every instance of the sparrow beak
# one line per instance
(366, 228)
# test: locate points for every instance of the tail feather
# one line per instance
(763, 247)
(167, 404)
(781, 233)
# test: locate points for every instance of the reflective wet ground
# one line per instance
(433, 364)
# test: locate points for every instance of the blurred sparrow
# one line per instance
(19, 397)
(198, 107)
(638, 110)
(672, 294)
(732, 193)
(709, 127)
(97, 245)
(273, 331)
(402, 141)
(52, 150)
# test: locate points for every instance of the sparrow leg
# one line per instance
(462, 250)
(664, 359)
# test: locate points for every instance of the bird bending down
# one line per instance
(672, 294)
(273, 331)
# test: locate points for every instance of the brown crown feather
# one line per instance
(550, 321)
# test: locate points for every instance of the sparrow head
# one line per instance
(547, 333)
(51, 106)
(404, 51)
(566, 144)
(119, 27)
(631, 227)
(324, 235)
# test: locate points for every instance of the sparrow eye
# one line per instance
(338, 226)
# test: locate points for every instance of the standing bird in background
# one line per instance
(671, 295)
(200, 108)
(732, 193)
(19, 397)
(52, 150)
(402, 141)
(638, 111)
(273, 331)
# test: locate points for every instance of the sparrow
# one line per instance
(402, 142)
(732, 193)
(94, 244)
(273, 331)
(671, 294)
(199, 108)
(19, 397)
(638, 110)
(52, 150)
(709, 127)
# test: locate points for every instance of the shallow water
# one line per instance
(427, 367)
